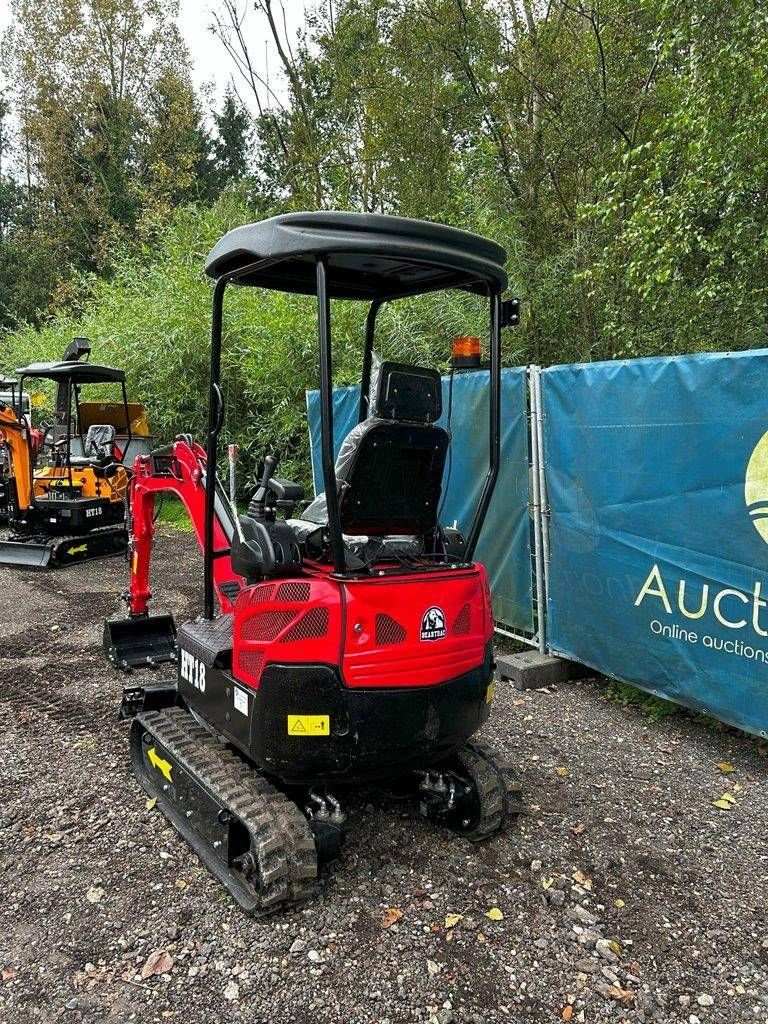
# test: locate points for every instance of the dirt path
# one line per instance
(625, 893)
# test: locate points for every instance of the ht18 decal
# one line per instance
(192, 670)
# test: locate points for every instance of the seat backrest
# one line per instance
(390, 467)
(99, 441)
(393, 480)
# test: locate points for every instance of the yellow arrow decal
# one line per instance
(78, 551)
(160, 763)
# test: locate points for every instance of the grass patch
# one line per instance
(653, 708)
(171, 510)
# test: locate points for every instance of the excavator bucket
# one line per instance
(25, 554)
(140, 641)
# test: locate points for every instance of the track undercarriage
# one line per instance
(40, 551)
(249, 835)
(266, 845)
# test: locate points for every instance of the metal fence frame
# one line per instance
(539, 511)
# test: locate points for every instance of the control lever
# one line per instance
(258, 501)
(270, 465)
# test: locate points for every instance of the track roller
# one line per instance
(248, 834)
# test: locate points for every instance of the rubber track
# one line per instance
(281, 840)
(497, 787)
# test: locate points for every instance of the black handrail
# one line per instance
(326, 417)
(495, 428)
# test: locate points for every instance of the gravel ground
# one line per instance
(626, 894)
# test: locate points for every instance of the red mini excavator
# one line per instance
(351, 643)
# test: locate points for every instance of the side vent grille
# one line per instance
(266, 626)
(388, 631)
(310, 626)
(293, 592)
(261, 594)
(462, 622)
(250, 663)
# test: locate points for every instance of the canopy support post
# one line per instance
(365, 380)
(326, 417)
(215, 417)
(495, 427)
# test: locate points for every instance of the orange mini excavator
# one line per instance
(73, 506)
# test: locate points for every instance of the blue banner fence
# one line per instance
(657, 480)
(633, 507)
(504, 546)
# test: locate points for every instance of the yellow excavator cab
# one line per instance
(114, 414)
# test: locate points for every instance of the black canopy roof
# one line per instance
(369, 255)
(78, 373)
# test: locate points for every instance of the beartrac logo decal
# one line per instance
(433, 624)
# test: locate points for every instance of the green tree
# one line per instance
(108, 121)
(27, 272)
(176, 145)
(232, 144)
(680, 223)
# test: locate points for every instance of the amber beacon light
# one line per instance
(465, 352)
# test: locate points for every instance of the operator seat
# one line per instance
(389, 470)
(99, 446)
(100, 441)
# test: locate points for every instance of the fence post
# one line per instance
(543, 497)
(538, 560)
(232, 452)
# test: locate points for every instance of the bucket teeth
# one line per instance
(251, 837)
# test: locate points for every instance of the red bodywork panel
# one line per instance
(371, 628)
(383, 643)
(289, 620)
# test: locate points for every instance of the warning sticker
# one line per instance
(241, 701)
(489, 692)
(309, 725)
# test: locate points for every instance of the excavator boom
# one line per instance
(141, 639)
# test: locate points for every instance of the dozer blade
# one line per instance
(26, 554)
(140, 641)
